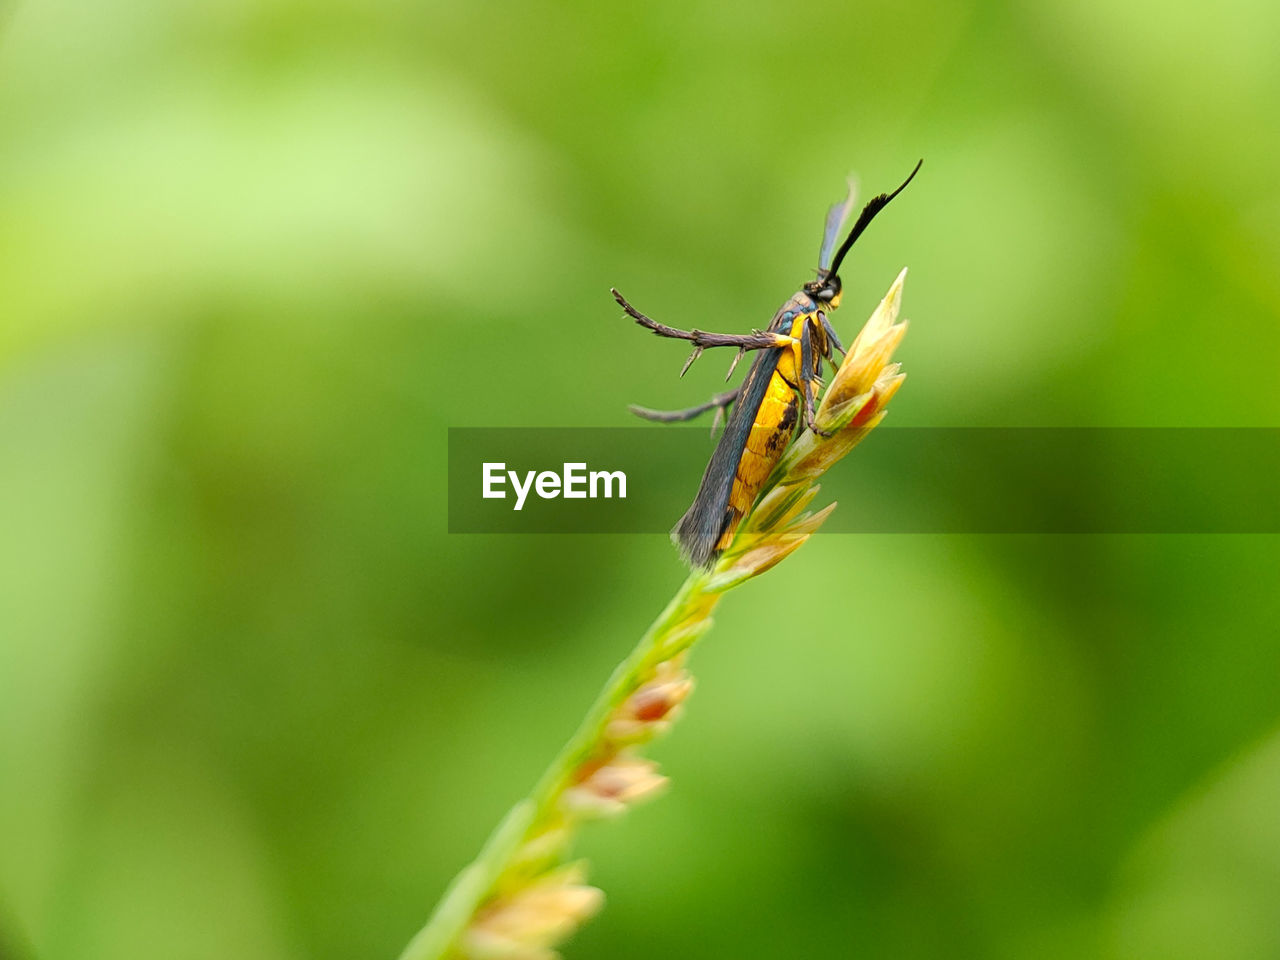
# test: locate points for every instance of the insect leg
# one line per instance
(718, 402)
(832, 338)
(736, 357)
(701, 339)
(809, 380)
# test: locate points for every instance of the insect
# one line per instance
(777, 395)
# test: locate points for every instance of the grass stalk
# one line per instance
(522, 896)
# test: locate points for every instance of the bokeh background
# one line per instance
(255, 258)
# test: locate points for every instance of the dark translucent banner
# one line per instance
(900, 480)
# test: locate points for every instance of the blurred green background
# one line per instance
(256, 257)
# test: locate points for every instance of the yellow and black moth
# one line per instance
(777, 395)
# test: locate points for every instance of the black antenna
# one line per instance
(865, 217)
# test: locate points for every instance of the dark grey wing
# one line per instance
(698, 531)
(836, 217)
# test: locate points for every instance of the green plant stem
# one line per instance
(528, 846)
(680, 624)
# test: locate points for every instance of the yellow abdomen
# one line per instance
(775, 424)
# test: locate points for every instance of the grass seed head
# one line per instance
(607, 790)
(528, 923)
